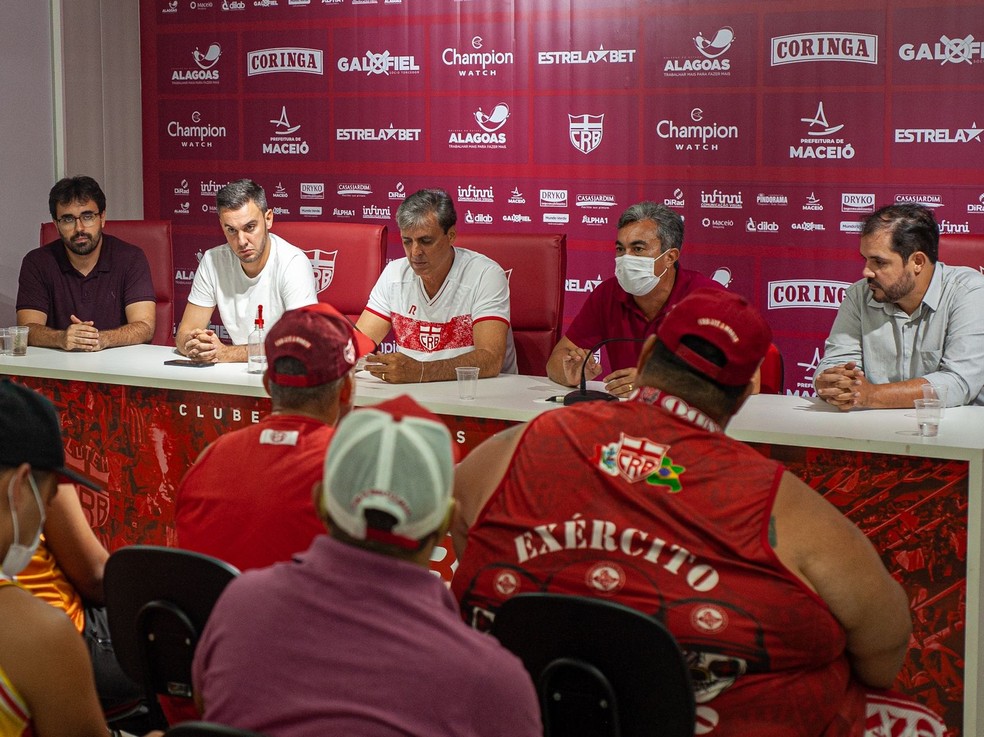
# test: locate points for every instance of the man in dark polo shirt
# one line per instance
(648, 281)
(87, 291)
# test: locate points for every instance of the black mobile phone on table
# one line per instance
(187, 362)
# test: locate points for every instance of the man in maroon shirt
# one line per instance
(89, 290)
(648, 281)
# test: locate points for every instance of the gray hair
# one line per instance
(416, 208)
(669, 225)
(238, 193)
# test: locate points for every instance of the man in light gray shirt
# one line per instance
(909, 322)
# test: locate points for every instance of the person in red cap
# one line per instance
(356, 636)
(783, 608)
(257, 513)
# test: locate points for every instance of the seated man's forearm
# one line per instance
(45, 337)
(134, 333)
(488, 363)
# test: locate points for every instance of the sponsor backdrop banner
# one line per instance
(772, 130)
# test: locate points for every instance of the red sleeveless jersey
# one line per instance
(648, 504)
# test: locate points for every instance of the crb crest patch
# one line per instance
(640, 459)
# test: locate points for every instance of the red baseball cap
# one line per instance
(725, 320)
(321, 338)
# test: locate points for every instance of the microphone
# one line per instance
(582, 394)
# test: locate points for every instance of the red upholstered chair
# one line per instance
(536, 264)
(347, 259)
(154, 237)
(962, 249)
(772, 373)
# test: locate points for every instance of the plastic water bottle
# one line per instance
(256, 352)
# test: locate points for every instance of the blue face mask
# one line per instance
(19, 555)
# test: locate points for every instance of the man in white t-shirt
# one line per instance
(447, 306)
(258, 269)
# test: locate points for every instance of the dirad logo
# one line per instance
(698, 135)
(947, 50)
(821, 293)
(854, 202)
(287, 59)
(977, 209)
(490, 135)
(182, 190)
(400, 135)
(677, 200)
(383, 63)
(312, 190)
(820, 141)
(478, 62)
(601, 56)
(712, 64)
(796, 48)
(206, 73)
(283, 140)
(938, 135)
(586, 131)
(197, 134)
(399, 192)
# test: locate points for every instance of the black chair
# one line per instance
(600, 669)
(157, 602)
(207, 729)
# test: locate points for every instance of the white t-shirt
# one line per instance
(286, 283)
(426, 329)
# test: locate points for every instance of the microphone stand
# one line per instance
(582, 394)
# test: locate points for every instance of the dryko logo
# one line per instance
(796, 48)
(287, 59)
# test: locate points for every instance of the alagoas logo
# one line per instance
(712, 49)
(206, 73)
(796, 48)
(323, 265)
(489, 136)
(586, 131)
(640, 459)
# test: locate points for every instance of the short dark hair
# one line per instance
(913, 228)
(299, 397)
(669, 225)
(240, 192)
(417, 207)
(75, 189)
(664, 370)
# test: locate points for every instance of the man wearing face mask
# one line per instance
(648, 281)
(46, 681)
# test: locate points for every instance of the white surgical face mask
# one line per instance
(19, 555)
(635, 273)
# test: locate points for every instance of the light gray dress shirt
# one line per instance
(942, 341)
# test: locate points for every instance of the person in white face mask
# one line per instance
(46, 680)
(631, 305)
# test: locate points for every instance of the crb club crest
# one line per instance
(323, 264)
(430, 336)
(586, 131)
(637, 458)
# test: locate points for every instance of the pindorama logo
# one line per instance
(966, 50)
(698, 134)
(489, 133)
(820, 141)
(477, 61)
(799, 48)
(601, 56)
(292, 60)
(383, 63)
(710, 63)
(586, 131)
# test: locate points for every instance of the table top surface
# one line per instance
(778, 419)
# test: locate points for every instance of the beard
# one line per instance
(894, 292)
(84, 244)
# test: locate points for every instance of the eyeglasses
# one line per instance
(87, 218)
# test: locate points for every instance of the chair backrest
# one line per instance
(962, 249)
(154, 238)
(772, 373)
(157, 602)
(207, 729)
(347, 259)
(600, 668)
(536, 264)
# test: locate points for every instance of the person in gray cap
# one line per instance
(356, 635)
(46, 680)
